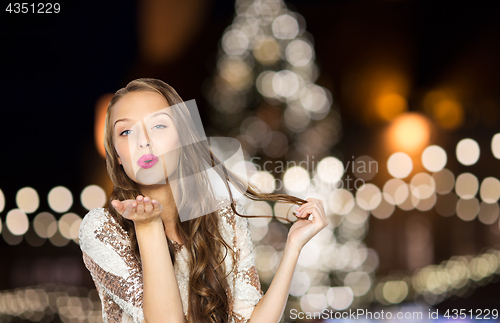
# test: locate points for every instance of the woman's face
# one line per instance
(145, 137)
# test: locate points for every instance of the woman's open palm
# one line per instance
(142, 210)
(304, 229)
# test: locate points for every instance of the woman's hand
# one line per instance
(143, 211)
(312, 219)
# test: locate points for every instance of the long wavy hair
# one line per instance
(208, 286)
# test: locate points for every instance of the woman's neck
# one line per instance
(163, 194)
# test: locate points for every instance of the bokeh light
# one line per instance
(45, 225)
(300, 283)
(390, 106)
(467, 185)
(449, 114)
(27, 199)
(277, 144)
(299, 52)
(264, 181)
(399, 165)
(69, 225)
(266, 50)
(235, 42)
(341, 202)
(359, 282)
(92, 197)
(2, 201)
(17, 222)
(444, 108)
(467, 210)
(434, 158)
(410, 132)
(422, 186)
(427, 203)
(340, 298)
(395, 191)
(488, 213)
(368, 196)
(330, 170)
(490, 190)
(286, 83)
(495, 145)
(395, 291)
(296, 179)
(445, 181)
(364, 167)
(314, 99)
(384, 210)
(285, 27)
(467, 152)
(60, 199)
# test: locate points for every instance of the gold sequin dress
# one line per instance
(117, 272)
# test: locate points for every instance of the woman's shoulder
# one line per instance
(226, 211)
(99, 224)
(95, 218)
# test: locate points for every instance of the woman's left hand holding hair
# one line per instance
(312, 219)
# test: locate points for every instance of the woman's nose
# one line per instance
(143, 141)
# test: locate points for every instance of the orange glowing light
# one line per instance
(100, 116)
(444, 108)
(410, 132)
(449, 114)
(390, 105)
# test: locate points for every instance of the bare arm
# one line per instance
(161, 296)
(270, 308)
(161, 300)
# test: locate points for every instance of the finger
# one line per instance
(148, 206)
(320, 213)
(306, 206)
(131, 209)
(140, 204)
(313, 214)
(157, 206)
(118, 206)
(316, 218)
(301, 207)
(310, 201)
(305, 211)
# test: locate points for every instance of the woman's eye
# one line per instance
(125, 132)
(159, 126)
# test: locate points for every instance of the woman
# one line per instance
(147, 264)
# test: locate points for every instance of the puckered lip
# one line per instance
(147, 161)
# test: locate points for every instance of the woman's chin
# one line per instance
(150, 176)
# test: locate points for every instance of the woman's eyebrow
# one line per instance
(161, 112)
(153, 115)
(122, 119)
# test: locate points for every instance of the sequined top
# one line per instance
(117, 272)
